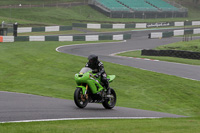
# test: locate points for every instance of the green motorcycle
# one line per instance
(91, 90)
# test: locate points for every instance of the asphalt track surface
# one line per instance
(106, 52)
(17, 107)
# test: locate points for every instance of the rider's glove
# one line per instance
(97, 75)
(94, 71)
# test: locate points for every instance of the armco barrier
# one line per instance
(36, 38)
(172, 53)
(106, 26)
(100, 26)
(40, 29)
(8, 38)
(178, 32)
(127, 36)
(52, 28)
(136, 25)
(186, 32)
(79, 25)
(156, 35)
(79, 38)
(174, 33)
(1, 38)
(22, 38)
(105, 37)
(196, 31)
(94, 26)
(51, 38)
(66, 38)
(91, 38)
(130, 25)
(167, 34)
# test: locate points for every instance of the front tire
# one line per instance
(109, 103)
(78, 98)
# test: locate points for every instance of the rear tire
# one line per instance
(78, 100)
(109, 103)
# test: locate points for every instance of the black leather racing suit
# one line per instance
(98, 66)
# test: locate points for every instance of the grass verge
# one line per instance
(167, 125)
(187, 46)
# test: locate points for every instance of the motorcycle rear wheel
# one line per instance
(78, 100)
(109, 103)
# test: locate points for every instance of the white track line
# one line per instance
(115, 54)
(86, 44)
(88, 118)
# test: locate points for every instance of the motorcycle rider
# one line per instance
(98, 68)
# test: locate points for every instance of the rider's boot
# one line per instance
(108, 91)
(108, 88)
(106, 84)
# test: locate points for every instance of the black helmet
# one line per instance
(92, 58)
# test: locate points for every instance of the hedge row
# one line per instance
(172, 53)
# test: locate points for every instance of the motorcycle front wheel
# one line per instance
(109, 103)
(79, 99)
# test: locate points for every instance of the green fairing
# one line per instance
(111, 78)
(83, 88)
(87, 78)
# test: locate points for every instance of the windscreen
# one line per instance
(85, 69)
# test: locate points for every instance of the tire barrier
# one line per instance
(135, 25)
(172, 53)
(155, 35)
(66, 38)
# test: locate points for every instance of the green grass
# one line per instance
(35, 2)
(193, 46)
(36, 68)
(167, 125)
(53, 15)
(187, 46)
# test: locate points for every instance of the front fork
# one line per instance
(84, 96)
